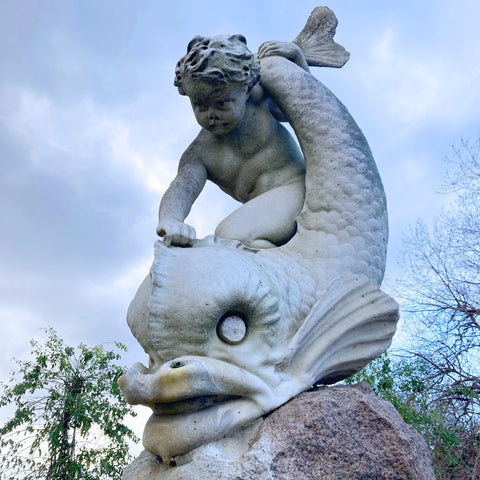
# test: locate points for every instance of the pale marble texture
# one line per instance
(232, 331)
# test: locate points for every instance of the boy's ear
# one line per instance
(239, 38)
(195, 41)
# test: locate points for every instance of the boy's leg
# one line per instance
(267, 220)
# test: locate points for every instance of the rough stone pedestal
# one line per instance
(335, 433)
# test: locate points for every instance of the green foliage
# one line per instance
(69, 413)
(409, 384)
(436, 386)
(404, 383)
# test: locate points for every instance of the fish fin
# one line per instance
(350, 325)
(316, 40)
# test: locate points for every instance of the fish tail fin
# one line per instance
(316, 40)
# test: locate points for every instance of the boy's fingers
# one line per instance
(183, 238)
(264, 48)
(282, 49)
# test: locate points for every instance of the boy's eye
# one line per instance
(224, 103)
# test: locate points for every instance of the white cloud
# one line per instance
(421, 87)
(414, 170)
(97, 130)
(83, 131)
(15, 321)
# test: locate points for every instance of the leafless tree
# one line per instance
(440, 292)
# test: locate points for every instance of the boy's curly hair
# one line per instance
(223, 59)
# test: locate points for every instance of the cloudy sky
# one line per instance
(91, 130)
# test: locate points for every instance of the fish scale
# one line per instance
(343, 227)
(312, 309)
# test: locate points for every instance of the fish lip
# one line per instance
(189, 384)
(192, 404)
(167, 436)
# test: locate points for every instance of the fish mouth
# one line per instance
(194, 400)
(192, 404)
(167, 435)
(188, 384)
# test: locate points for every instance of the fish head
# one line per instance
(219, 303)
(215, 323)
(227, 345)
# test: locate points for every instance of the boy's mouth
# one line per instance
(219, 127)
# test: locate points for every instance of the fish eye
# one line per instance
(231, 328)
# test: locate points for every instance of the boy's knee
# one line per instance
(229, 230)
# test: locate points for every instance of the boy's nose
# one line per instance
(213, 115)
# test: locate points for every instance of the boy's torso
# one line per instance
(263, 158)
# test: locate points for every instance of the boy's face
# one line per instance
(218, 109)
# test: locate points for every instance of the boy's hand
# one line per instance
(289, 50)
(176, 233)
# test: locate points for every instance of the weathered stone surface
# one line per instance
(287, 291)
(344, 433)
(335, 433)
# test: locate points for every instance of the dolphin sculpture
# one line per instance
(232, 333)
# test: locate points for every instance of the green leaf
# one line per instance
(65, 393)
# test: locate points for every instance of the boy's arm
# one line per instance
(290, 51)
(179, 198)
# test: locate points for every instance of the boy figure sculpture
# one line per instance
(242, 146)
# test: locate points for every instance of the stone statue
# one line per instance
(286, 293)
(242, 146)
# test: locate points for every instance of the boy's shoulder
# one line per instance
(196, 152)
(203, 138)
(258, 94)
(262, 100)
